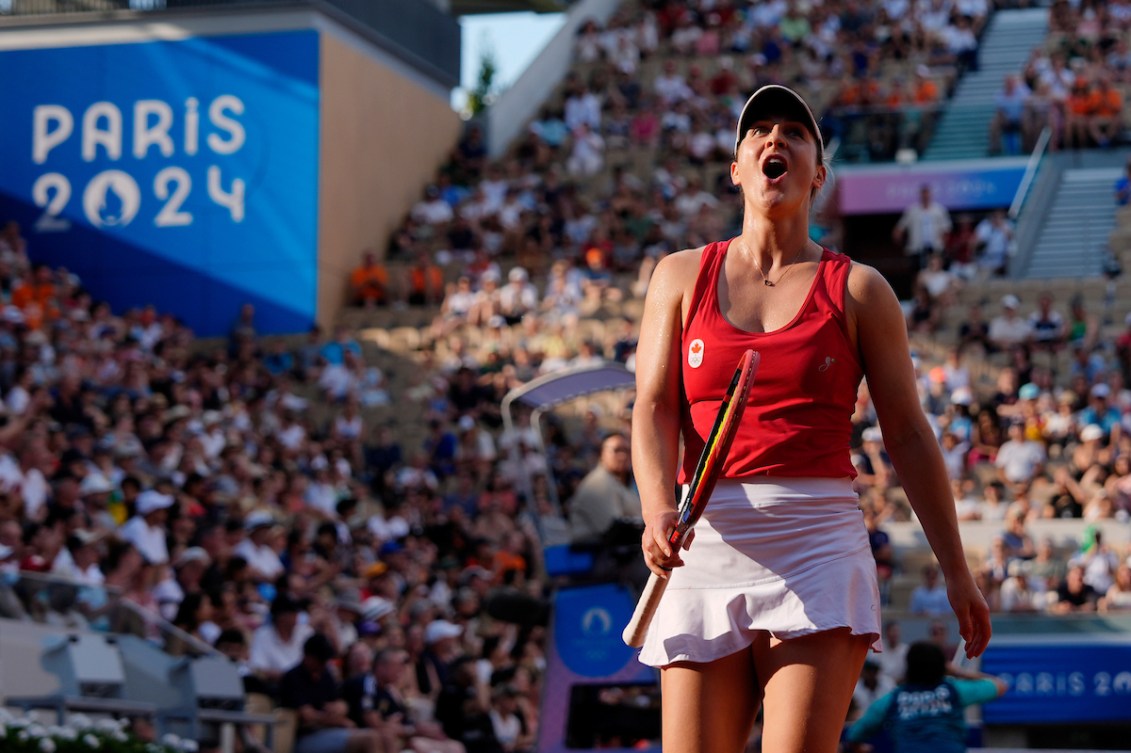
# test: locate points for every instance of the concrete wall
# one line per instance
(385, 131)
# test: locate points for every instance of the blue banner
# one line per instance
(178, 173)
(587, 630)
(1054, 682)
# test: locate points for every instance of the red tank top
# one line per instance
(798, 418)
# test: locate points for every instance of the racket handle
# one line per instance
(646, 605)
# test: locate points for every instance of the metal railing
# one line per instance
(62, 602)
(1030, 174)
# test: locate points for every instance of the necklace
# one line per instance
(788, 268)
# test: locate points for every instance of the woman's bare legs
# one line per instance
(808, 687)
(808, 682)
(709, 708)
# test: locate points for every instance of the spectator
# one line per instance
(256, 548)
(994, 244)
(893, 660)
(873, 684)
(1118, 597)
(606, 495)
(146, 530)
(922, 228)
(463, 710)
(1007, 127)
(929, 597)
(1047, 325)
(323, 724)
(1105, 113)
(587, 156)
(369, 282)
(1019, 460)
(1008, 329)
(974, 331)
(277, 646)
(1073, 594)
(377, 701)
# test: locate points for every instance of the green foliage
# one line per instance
(484, 93)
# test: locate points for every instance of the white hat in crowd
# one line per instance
(438, 630)
(151, 501)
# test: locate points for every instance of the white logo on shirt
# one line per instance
(829, 361)
(695, 353)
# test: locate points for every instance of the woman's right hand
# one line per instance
(659, 555)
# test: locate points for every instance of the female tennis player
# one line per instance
(774, 603)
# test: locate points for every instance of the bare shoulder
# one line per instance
(871, 306)
(866, 286)
(676, 273)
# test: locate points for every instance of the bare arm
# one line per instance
(877, 320)
(656, 414)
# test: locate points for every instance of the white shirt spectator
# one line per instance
(262, 558)
(292, 436)
(588, 155)
(336, 381)
(433, 212)
(17, 400)
(1008, 329)
(269, 652)
(670, 87)
(930, 600)
(583, 109)
(147, 539)
(1019, 460)
(34, 491)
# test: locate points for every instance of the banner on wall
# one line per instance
(1061, 682)
(966, 185)
(182, 174)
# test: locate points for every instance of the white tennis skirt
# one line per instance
(786, 556)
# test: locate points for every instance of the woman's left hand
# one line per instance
(972, 612)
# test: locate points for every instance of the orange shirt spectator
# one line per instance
(425, 283)
(1106, 102)
(369, 282)
(1080, 99)
(926, 90)
(40, 289)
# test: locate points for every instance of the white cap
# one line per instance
(258, 519)
(775, 96)
(6, 552)
(375, 607)
(95, 483)
(1091, 433)
(192, 554)
(1010, 301)
(1101, 390)
(962, 396)
(150, 501)
(438, 630)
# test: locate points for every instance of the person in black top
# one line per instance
(463, 712)
(313, 692)
(375, 702)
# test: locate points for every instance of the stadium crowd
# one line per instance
(239, 491)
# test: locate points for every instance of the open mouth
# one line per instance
(774, 167)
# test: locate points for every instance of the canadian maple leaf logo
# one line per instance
(696, 347)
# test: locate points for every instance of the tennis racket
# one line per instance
(699, 489)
